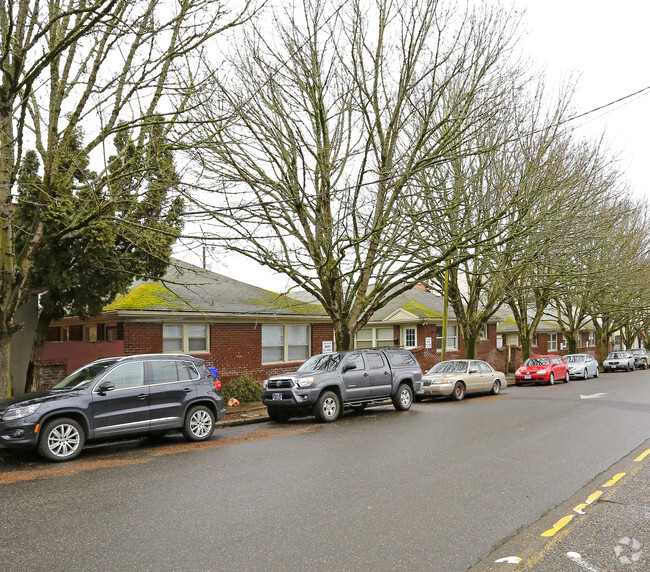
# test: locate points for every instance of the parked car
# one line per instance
(327, 382)
(619, 360)
(641, 358)
(542, 369)
(581, 365)
(455, 378)
(114, 397)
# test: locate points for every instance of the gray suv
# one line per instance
(115, 397)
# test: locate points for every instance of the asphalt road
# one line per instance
(434, 488)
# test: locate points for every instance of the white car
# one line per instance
(621, 359)
(581, 365)
(455, 378)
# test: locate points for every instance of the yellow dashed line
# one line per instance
(642, 456)
(590, 499)
(558, 525)
(614, 480)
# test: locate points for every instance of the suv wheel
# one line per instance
(328, 407)
(199, 423)
(61, 440)
(404, 397)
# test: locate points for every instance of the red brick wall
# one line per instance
(142, 338)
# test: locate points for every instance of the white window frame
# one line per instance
(452, 341)
(405, 337)
(512, 337)
(484, 333)
(591, 339)
(374, 341)
(552, 342)
(185, 343)
(535, 341)
(285, 344)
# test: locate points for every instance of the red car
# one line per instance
(542, 369)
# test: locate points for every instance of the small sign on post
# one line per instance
(328, 346)
(428, 343)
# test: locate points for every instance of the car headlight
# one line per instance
(306, 382)
(519, 372)
(19, 411)
(542, 372)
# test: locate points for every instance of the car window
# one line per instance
(401, 358)
(357, 359)
(484, 367)
(536, 361)
(126, 375)
(166, 371)
(375, 361)
(449, 367)
(474, 366)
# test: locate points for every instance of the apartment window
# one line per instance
(374, 337)
(484, 333)
(512, 340)
(410, 338)
(185, 338)
(535, 341)
(90, 333)
(452, 338)
(285, 343)
(552, 342)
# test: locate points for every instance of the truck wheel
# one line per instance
(61, 440)
(279, 415)
(403, 398)
(328, 407)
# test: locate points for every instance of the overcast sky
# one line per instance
(605, 45)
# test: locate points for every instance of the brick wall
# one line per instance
(50, 372)
(142, 338)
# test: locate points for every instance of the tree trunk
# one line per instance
(40, 338)
(5, 365)
(470, 345)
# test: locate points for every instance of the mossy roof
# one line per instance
(187, 288)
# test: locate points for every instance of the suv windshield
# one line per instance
(574, 359)
(449, 367)
(537, 361)
(82, 377)
(322, 362)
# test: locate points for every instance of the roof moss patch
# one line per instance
(149, 296)
(420, 310)
(282, 302)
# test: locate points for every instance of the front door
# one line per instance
(124, 409)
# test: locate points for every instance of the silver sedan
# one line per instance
(455, 378)
(581, 365)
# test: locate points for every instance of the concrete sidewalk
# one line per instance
(603, 528)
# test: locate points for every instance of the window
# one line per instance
(126, 375)
(410, 337)
(374, 337)
(356, 359)
(452, 338)
(375, 361)
(483, 335)
(535, 340)
(484, 367)
(512, 340)
(285, 343)
(591, 339)
(163, 371)
(110, 333)
(90, 333)
(185, 338)
(552, 342)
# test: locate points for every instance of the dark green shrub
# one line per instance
(244, 388)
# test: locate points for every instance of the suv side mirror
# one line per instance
(105, 386)
(348, 366)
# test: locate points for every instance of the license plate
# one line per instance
(526, 376)
(277, 397)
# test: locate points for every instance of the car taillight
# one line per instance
(217, 384)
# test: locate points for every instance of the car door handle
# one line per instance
(187, 390)
(365, 374)
(142, 396)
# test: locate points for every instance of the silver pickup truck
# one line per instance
(326, 383)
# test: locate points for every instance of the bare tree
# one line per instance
(72, 67)
(329, 122)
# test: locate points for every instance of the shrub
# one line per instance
(244, 388)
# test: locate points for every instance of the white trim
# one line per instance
(415, 329)
(185, 340)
